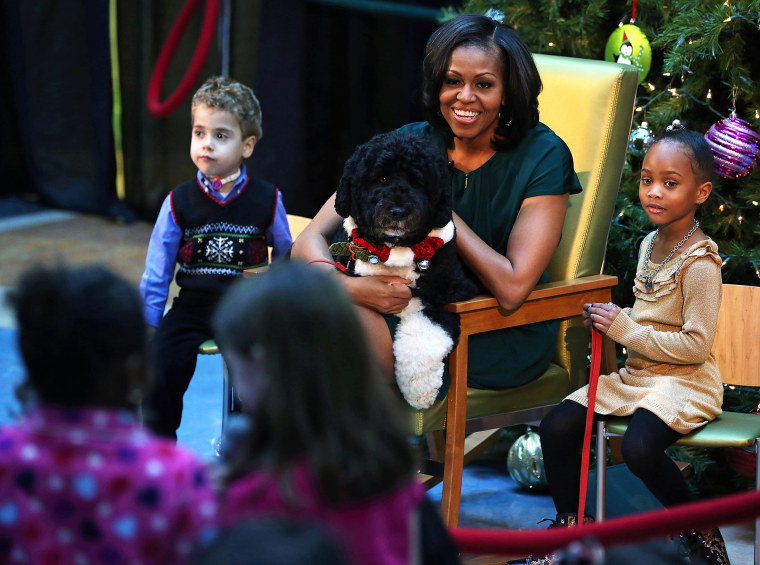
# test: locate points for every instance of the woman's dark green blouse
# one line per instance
(488, 199)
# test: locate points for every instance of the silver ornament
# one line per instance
(525, 462)
(640, 140)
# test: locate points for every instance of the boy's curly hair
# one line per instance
(234, 97)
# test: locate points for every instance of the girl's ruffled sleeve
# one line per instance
(699, 274)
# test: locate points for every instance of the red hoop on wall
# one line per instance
(155, 105)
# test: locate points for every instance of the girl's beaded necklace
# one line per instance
(648, 278)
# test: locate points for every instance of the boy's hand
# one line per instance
(600, 315)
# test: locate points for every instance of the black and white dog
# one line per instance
(395, 197)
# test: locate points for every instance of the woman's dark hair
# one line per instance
(75, 324)
(522, 83)
(701, 155)
(322, 400)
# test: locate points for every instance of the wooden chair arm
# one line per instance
(253, 271)
(550, 301)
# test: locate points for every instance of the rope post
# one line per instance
(596, 361)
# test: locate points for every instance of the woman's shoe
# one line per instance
(564, 520)
(706, 548)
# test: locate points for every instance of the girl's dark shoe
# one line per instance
(706, 548)
(564, 520)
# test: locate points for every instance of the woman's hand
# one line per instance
(600, 315)
(383, 294)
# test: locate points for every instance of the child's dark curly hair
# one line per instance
(75, 324)
(234, 97)
(696, 146)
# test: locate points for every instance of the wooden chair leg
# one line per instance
(456, 417)
(477, 442)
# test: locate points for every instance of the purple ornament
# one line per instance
(735, 146)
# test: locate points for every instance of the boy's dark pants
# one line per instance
(175, 353)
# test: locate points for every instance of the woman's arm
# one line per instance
(532, 242)
(383, 294)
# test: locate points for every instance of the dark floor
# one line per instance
(489, 496)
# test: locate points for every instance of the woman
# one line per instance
(510, 176)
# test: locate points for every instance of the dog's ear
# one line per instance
(345, 185)
(343, 198)
(442, 209)
(442, 212)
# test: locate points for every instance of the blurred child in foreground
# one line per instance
(325, 440)
(80, 480)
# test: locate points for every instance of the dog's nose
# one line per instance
(397, 212)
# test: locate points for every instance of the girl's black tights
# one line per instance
(643, 450)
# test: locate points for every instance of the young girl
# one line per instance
(80, 480)
(671, 383)
(325, 441)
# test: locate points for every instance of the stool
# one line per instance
(209, 347)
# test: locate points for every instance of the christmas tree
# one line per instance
(704, 71)
(703, 60)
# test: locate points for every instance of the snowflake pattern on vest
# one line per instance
(222, 249)
(219, 250)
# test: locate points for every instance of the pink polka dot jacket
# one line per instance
(89, 486)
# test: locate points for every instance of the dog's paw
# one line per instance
(420, 347)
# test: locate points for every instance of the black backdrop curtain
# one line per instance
(329, 74)
(55, 104)
(329, 77)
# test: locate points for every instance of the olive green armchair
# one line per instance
(738, 356)
(589, 104)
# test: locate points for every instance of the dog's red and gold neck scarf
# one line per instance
(362, 250)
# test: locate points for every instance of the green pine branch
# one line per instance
(703, 67)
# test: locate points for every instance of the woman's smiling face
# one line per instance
(472, 93)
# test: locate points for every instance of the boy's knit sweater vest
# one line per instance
(221, 240)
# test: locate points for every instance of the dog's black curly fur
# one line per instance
(396, 187)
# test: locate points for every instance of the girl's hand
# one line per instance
(383, 294)
(600, 315)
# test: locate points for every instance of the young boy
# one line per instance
(213, 227)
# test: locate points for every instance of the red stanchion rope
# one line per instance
(596, 362)
(731, 509)
(155, 105)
